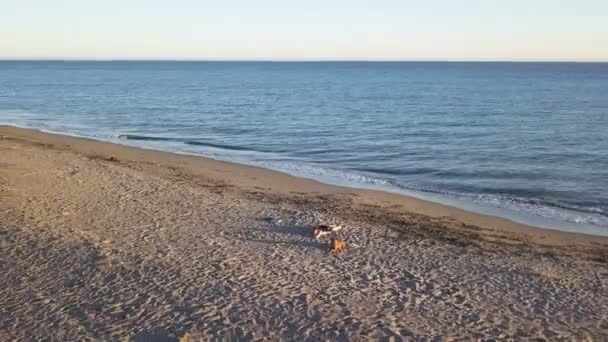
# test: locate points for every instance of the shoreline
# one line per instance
(109, 242)
(522, 217)
(431, 207)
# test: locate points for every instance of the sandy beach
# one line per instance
(104, 242)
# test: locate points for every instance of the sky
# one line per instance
(511, 30)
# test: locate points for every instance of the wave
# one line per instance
(591, 213)
(222, 146)
(145, 137)
(323, 173)
(517, 196)
(186, 141)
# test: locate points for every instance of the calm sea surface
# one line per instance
(527, 141)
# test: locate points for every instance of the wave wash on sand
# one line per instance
(101, 241)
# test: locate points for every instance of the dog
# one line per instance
(337, 245)
(323, 229)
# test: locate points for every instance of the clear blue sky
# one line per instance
(306, 29)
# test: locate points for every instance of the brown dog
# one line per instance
(337, 245)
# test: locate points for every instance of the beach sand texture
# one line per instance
(102, 241)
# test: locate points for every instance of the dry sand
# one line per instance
(102, 241)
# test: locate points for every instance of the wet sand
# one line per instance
(103, 241)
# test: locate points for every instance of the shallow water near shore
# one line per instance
(526, 141)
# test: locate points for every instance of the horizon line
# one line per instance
(296, 60)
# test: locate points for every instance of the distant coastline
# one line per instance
(312, 60)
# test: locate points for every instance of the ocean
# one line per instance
(524, 141)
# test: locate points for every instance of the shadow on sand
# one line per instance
(284, 234)
(304, 244)
(288, 229)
